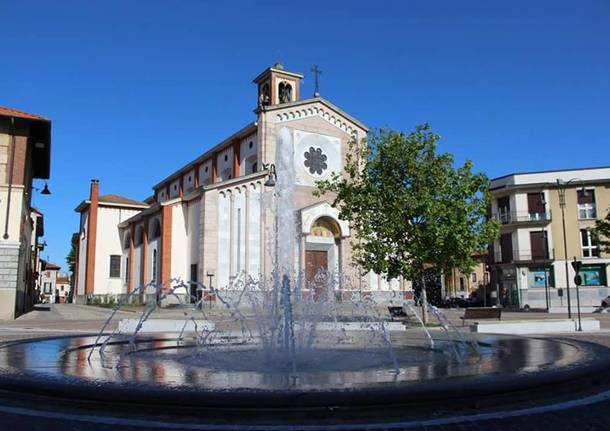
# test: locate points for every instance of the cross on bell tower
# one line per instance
(316, 73)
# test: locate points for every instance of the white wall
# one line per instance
(137, 266)
(174, 188)
(179, 260)
(189, 181)
(247, 152)
(222, 164)
(205, 173)
(238, 238)
(224, 236)
(15, 214)
(254, 232)
(109, 242)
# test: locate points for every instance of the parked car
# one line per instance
(459, 302)
(606, 302)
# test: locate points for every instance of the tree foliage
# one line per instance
(411, 208)
(71, 258)
(602, 233)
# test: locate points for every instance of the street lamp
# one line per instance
(272, 174)
(210, 275)
(545, 254)
(561, 191)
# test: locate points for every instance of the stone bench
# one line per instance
(481, 313)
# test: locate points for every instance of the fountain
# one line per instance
(274, 356)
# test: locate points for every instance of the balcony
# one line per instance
(524, 256)
(523, 217)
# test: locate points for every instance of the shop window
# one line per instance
(593, 275)
(540, 277)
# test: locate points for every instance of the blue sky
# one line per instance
(136, 89)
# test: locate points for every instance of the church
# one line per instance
(210, 221)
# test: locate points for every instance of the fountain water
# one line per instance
(285, 319)
(277, 353)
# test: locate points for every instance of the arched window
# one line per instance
(264, 96)
(285, 92)
(137, 240)
(154, 267)
(127, 240)
(154, 230)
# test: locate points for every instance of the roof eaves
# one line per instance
(244, 131)
(323, 101)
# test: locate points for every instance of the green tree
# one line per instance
(602, 233)
(71, 258)
(412, 210)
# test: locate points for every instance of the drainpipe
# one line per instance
(10, 179)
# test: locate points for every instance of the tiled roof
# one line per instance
(52, 266)
(11, 112)
(118, 199)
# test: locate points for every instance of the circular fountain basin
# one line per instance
(236, 377)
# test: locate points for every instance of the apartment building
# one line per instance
(546, 220)
(25, 154)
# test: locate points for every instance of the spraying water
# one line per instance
(283, 315)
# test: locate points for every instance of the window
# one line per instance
(47, 287)
(115, 266)
(588, 244)
(506, 247)
(127, 270)
(462, 284)
(586, 204)
(538, 246)
(540, 277)
(504, 209)
(154, 266)
(254, 167)
(593, 275)
(154, 231)
(250, 144)
(474, 277)
(536, 206)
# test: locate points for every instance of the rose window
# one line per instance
(315, 160)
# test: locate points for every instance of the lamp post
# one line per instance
(576, 264)
(561, 191)
(545, 253)
(210, 275)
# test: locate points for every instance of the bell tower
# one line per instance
(277, 86)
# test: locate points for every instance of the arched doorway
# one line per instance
(322, 253)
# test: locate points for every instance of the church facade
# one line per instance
(210, 221)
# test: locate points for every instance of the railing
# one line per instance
(524, 256)
(522, 217)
